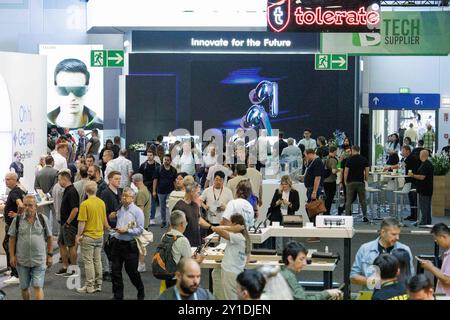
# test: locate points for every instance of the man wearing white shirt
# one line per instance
(218, 167)
(263, 149)
(60, 156)
(210, 159)
(240, 205)
(215, 199)
(107, 158)
(308, 142)
(187, 161)
(123, 165)
(412, 134)
(239, 137)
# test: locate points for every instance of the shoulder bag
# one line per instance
(315, 207)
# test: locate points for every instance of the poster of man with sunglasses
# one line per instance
(74, 88)
(71, 80)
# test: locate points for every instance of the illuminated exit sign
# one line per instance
(323, 16)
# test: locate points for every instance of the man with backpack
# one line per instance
(330, 176)
(174, 246)
(30, 248)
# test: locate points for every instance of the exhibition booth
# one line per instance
(23, 106)
(187, 83)
(23, 110)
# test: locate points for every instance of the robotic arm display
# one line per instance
(256, 116)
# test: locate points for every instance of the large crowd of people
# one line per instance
(101, 206)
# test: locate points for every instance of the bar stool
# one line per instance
(402, 195)
(372, 192)
(391, 186)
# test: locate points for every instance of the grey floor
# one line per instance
(56, 287)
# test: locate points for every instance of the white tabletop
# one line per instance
(266, 233)
(45, 203)
(212, 264)
(394, 176)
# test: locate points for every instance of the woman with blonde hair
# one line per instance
(285, 201)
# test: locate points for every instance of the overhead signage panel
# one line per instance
(224, 42)
(409, 101)
(401, 33)
(323, 16)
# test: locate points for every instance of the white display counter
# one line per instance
(269, 187)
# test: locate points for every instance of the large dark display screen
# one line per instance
(215, 89)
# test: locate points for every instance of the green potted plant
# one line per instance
(441, 163)
(441, 183)
(136, 146)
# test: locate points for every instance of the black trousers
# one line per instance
(413, 204)
(6, 248)
(425, 209)
(125, 252)
(330, 191)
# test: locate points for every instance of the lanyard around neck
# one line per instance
(214, 193)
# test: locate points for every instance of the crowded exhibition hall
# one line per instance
(228, 151)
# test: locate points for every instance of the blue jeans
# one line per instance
(163, 204)
(153, 207)
(31, 276)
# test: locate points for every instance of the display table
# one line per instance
(266, 233)
(336, 233)
(269, 187)
(340, 233)
(214, 256)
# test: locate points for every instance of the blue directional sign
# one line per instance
(398, 101)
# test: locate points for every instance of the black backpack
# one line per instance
(328, 171)
(41, 219)
(163, 264)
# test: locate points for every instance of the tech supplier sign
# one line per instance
(401, 33)
(328, 16)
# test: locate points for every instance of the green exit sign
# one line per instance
(331, 61)
(404, 90)
(107, 58)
